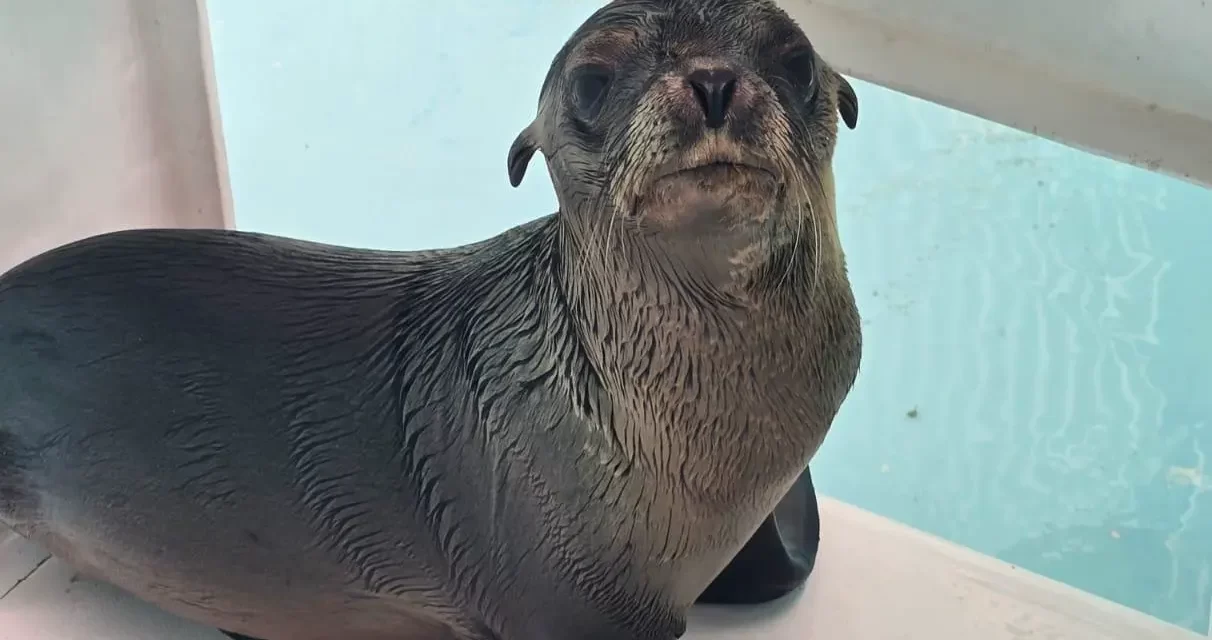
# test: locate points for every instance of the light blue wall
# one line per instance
(1035, 380)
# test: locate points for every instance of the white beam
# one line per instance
(1122, 78)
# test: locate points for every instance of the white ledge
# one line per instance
(1127, 79)
(875, 580)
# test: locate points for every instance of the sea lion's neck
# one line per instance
(707, 357)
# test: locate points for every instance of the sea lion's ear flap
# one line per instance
(847, 102)
(520, 153)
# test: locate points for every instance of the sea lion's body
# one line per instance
(269, 434)
(524, 438)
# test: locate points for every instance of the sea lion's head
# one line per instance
(703, 119)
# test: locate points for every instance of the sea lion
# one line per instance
(564, 431)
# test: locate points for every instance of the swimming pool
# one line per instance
(1035, 316)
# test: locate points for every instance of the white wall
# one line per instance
(105, 121)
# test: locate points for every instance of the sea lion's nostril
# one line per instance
(714, 89)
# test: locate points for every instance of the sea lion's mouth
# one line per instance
(716, 159)
(681, 195)
(715, 169)
(712, 174)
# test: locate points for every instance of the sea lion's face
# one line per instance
(690, 115)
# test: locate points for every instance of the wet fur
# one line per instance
(565, 431)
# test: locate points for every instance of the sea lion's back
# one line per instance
(114, 324)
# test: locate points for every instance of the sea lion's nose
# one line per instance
(714, 89)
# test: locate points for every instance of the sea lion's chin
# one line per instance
(711, 199)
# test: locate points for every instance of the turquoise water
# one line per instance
(1035, 377)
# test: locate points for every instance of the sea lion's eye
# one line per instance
(801, 71)
(590, 83)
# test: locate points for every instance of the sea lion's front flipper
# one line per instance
(778, 557)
